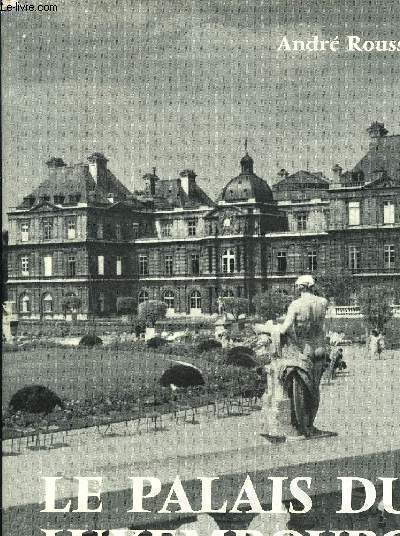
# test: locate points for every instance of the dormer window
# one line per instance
(110, 197)
(74, 199)
(44, 198)
(29, 201)
(59, 199)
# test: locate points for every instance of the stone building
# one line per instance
(81, 233)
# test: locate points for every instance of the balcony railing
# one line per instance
(348, 311)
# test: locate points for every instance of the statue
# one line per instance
(221, 309)
(292, 397)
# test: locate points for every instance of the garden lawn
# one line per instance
(77, 373)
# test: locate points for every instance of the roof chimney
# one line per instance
(98, 169)
(54, 164)
(150, 181)
(376, 132)
(337, 175)
(188, 181)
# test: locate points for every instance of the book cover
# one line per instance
(201, 267)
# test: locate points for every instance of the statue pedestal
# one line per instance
(277, 410)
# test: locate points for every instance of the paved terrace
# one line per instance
(362, 407)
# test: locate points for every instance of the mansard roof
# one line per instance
(383, 155)
(301, 180)
(170, 194)
(75, 182)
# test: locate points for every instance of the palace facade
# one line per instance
(82, 234)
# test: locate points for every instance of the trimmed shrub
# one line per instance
(90, 340)
(35, 399)
(151, 311)
(182, 376)
(208, 344)
(241, 356)
(156, 342)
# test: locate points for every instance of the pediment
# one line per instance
(221, 212)
(44, 206)
(126, 205)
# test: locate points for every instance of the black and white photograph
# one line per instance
(200, 267)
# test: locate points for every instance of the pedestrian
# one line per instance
(381, 344)
(373, 344)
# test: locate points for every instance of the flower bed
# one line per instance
(139, 397)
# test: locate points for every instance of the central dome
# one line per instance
(247, 185)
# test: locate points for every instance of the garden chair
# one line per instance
(156, 419)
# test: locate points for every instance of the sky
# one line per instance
(181, 84)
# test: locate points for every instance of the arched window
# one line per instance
(143, 296)
(195, 300)
(25, 305)
(228, 261)
(100, 302)
(228, 293)
(169, 299)
(47, 303)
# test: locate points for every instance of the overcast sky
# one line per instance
(177, 84)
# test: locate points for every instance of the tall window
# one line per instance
(354, 212)
(166, 228)
(195, 263)
(169, 264)
(100, 302)
(195, 300)
(135, 230)
(25, 266)
(25, 305)
(71, 265)
(25, 231)
(100, 265)
(48, 265)
(118, 268)
(228, 293)
(388, 212)
(389, 256)
(301, 218)
(143, 296)
(118, 232)
(100, 230)
(312, 261)
(169, 299)
(47, 229)
(354, 258)
(192, 225)
(282, 261)
(47, 303)
(143, 265)
(71, 228)
(228, 261)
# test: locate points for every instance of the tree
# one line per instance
(271, 304)
(128, 306)
(236, 306)
(71, 303)
(339, 287)
(375, 306)
(151, 311)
